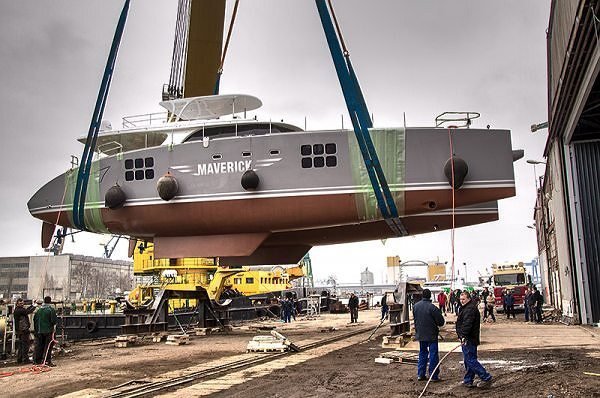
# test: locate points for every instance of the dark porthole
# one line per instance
(274, 152)
(139, 175)
(319, 161)
(306, 150)
(139, 163)
(330, 149)
(129, 164)
(129, 176)
(318, 149)
(331, 161)
(150, 174)
(306, 163)
(246, 154)
(149, 162)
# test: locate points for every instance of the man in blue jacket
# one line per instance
(468, 329)
(428, 319)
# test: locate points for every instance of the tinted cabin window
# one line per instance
(242, 129)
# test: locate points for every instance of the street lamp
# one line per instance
(534, 163)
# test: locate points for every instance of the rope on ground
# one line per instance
(436, 368)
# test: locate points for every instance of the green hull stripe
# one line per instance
(92, 212)
(390, 146)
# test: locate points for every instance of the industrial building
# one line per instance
(567, 211)
(63, 277)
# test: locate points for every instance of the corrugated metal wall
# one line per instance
(587, 160)
(562, 23)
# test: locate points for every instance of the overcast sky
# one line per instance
(420, 57)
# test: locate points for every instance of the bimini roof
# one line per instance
(211, 106)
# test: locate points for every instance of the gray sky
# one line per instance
(416, 57)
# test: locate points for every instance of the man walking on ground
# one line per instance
(441, 298)
(468, 328)
(22, 326)
(353, 306)
(428, 319)
(44, 322)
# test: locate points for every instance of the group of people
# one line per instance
(428, 319)
(44, 324)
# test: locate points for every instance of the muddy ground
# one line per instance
(526, 360)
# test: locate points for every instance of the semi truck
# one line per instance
(510, 277)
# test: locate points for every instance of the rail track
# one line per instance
(141, 388)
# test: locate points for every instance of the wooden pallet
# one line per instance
(124, 341)
(266, 344)
(178, 339)
(400, 356)
(398, 341)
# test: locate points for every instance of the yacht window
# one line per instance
(330, 148)
(319, 161)
(246, 154)
(241, 129)
(274, 152)
(139, 175)
(306, 150)
(217, 156)
(149, 162)
(129, 164)
(306, 163)
(129, 176)
(318, 149)
(150, 174)
(139, 163)
(331, 161)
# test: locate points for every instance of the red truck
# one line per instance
(511, 277)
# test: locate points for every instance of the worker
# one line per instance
(527, 304)
(353, 306)
(441, 299)
(44, 322)
(538, 301)
(287, 307)
(484, 296)
(22, 326)
(384, 307)
(452, 300)
(489, 304)
(428, 319)
(467, 329)
(509, 303)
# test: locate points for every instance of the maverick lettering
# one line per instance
(205, 169)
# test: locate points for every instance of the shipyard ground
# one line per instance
(526, 360)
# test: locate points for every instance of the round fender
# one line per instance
(461, 169)
(114, 198)
(167, 187)
(250, 180)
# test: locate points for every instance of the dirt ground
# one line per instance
(526, 360)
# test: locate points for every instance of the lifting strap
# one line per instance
(180, 45)
(361, 120)
(220, 71)
(83, 174)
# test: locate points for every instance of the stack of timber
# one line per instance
(178, 339)
(124, 341)
(397, 341)
(397, 356)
